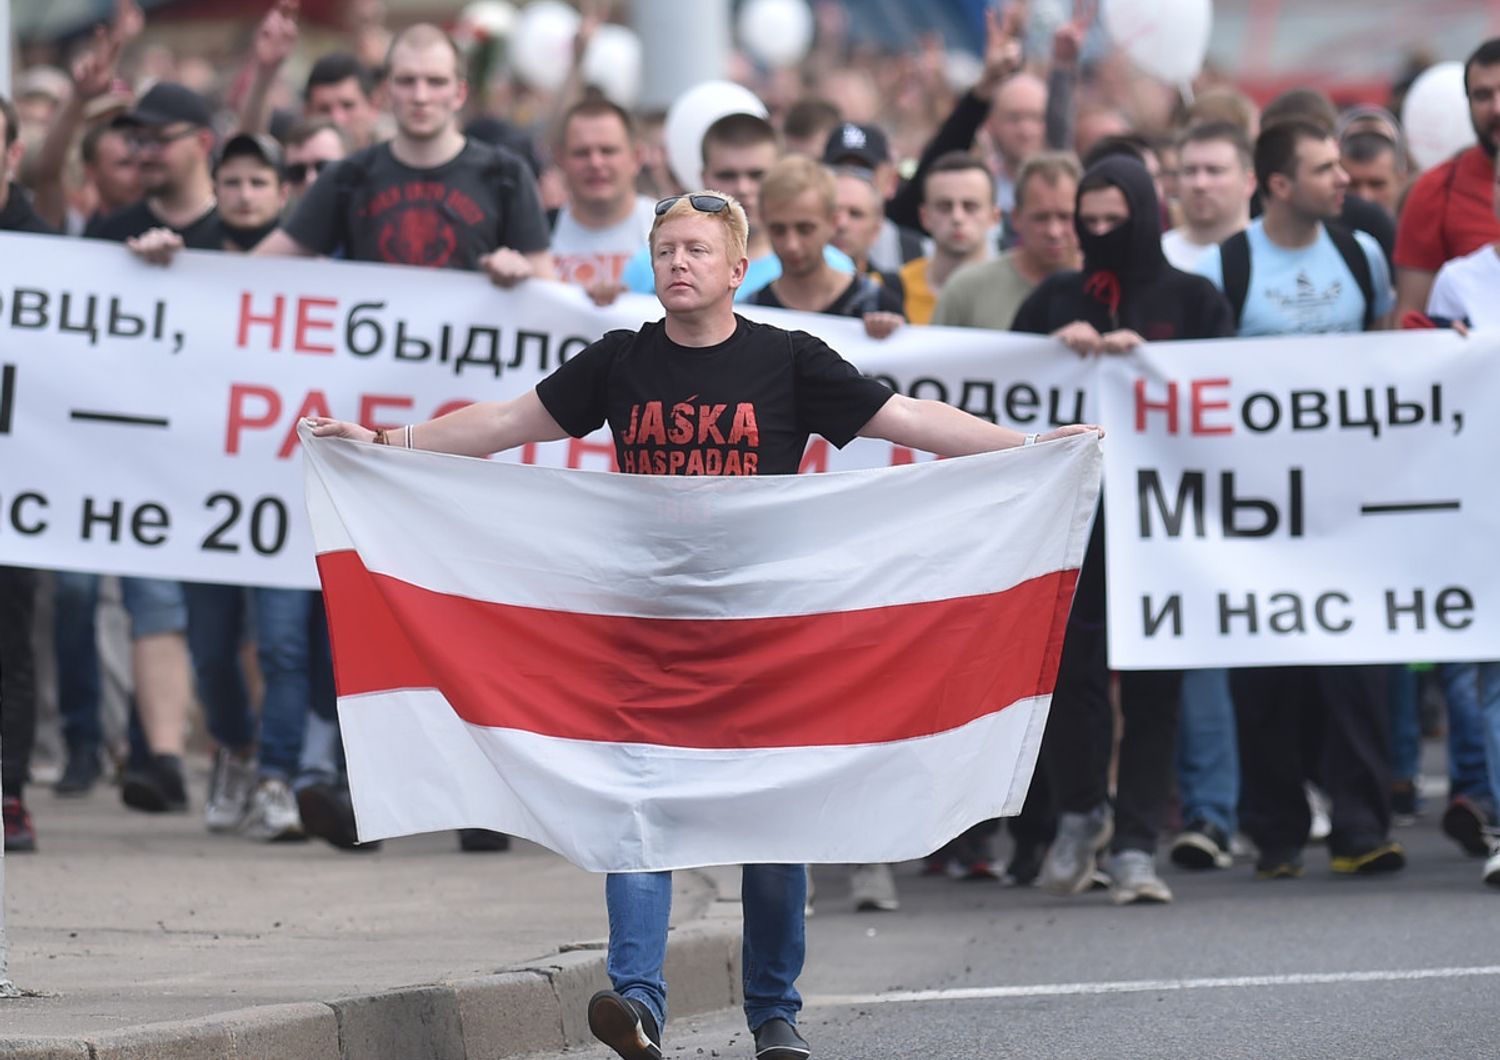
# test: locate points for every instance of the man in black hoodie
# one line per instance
(17, 585)
(1125, 294)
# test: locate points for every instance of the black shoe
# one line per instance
(1202, 845)
(776, 1039)
(1025, 864)
(625, 1025)
(20, 833)
(327, 813)
(79, 776)
(1406, 804)
(482, 840)
(1279, 864)
(156, 787)
(1464, 822)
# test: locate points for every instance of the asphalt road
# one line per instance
(1401, 966)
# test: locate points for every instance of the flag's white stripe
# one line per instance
(415, 766)
(678, 547)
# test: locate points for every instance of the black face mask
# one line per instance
(246, 238)
(1110, 252)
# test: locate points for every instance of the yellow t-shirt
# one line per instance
(921, 300)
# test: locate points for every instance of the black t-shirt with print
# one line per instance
(743, 407)
(862, 295)
(375, 208)
(206, 233)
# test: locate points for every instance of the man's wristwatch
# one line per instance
(1030, 440)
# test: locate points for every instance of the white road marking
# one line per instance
(1151, 986)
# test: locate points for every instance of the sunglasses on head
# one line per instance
(701, 203)
(298, 172)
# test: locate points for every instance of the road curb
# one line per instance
(536, 1007)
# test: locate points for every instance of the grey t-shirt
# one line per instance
(372, 207)
(984, 295)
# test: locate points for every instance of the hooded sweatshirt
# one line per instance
(1126, 281)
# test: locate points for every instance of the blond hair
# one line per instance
(793, 176)
(736, 226)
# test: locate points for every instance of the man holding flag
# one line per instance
(703, 392)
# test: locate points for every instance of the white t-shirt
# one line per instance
(1182, 253)
(587, 255)
(1306, 291)
(1466, 287)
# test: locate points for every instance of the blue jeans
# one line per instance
(1208, 757)
(1406, 728)
(1468, 770)
(154, 606)
(1473, 692)
(774, 899)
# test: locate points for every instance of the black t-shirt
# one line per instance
(19, 215)
(375, 208)
(863, 295)
(743, 407)
(206, 233)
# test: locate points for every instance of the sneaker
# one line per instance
(776, 1039)
(1278, 864)
(482, 840)
(1202, 845)
(1492, 866)
(20, 833)
(156, 787)
(1025, 864)
(1406, 804)
(79, 775)
(1464, 822)
(1134, 877)
(978, 869)
(873, 888)
(229, 788)
(625, 1025)
(272, 816)
(1069, 865)
(1318, 805)
(1383, 857)
(328, 813)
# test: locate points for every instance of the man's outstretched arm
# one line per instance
(935, 427)
(475, 430)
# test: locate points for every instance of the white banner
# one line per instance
(148, 415)
(147, 426)
(1281, 501)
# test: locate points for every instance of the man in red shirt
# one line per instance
(1448, 212)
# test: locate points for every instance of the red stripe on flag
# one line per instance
(868, 676)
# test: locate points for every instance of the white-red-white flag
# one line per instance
(653, 672)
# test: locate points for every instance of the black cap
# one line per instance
(256, 146)
(863, 144)
(167, 103)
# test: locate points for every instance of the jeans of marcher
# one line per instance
(774, 899)
(291, 633)
(1406, 725)
(1208, 753)
(1477, 685)
(17, 676)
(1080, 726)
(154, 606)
(1468, 770)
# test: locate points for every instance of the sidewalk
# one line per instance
(144, 936)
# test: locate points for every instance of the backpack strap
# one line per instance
(1234, 264)
(1354, 257)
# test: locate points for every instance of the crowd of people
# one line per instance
(1051, 196)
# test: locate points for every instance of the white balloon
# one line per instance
(489, 19)
(1165, 38)
(612, 62)
(1435, 114)
(689, 118)
(541, 49)
(777, 32)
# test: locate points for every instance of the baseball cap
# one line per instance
(256, 146)
(865, 144)
(167, 102)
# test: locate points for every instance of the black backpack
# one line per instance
(1234, 253)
